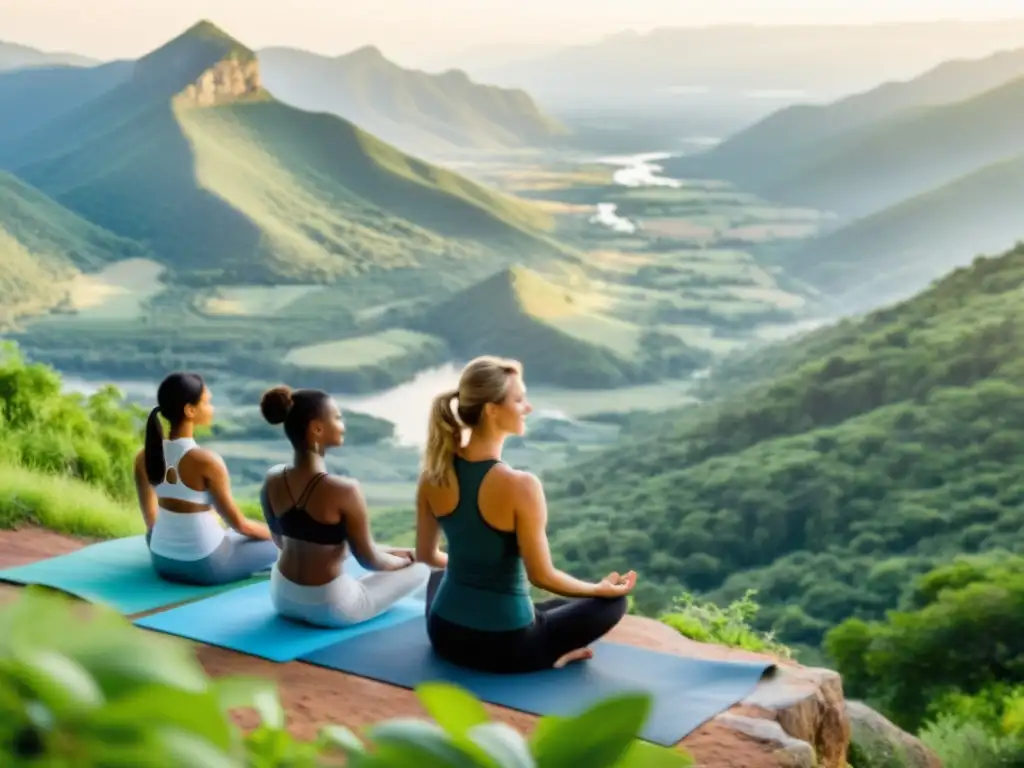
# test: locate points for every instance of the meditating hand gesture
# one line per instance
(614, 585)
(401, 557)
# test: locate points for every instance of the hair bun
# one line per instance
(276, 403)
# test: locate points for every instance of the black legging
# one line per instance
(561, 625)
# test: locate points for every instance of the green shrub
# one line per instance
(92, 691)
(707, 622)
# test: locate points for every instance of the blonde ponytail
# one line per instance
(444, 436)
(484, 380)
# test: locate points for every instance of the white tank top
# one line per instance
(174, 451)
(178, 535)
(186, 536)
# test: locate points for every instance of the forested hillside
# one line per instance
(851, 460)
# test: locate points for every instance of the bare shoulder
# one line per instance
(140, 460)
(343, 488)
(208, 460)
(521, 485)
(275, 471)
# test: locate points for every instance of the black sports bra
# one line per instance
(296, 523)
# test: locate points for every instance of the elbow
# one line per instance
(434, 558)
(543, 579)
(371, 561)
(437, 559)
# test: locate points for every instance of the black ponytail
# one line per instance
(156, 467)
(173, 394)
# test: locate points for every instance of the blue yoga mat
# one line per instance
(117, 572)
(244, 620)
(685, 692)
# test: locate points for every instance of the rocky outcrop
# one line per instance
(226, 81)
(877, 743)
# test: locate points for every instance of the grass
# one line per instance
(75, 508)
(63, 505)
(351, 354)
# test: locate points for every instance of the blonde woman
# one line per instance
(479, 611)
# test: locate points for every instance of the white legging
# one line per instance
(346, 600)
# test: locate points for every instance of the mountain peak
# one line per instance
(180, 64)
(205, 37)
(367, 54)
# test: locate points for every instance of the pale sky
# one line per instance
(415, 30)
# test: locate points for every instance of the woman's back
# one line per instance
(485, 585)
(303, 509)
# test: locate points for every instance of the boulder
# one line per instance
(877, 743)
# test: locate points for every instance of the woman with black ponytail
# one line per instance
(182, 488)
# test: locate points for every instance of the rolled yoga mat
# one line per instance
(685, 692)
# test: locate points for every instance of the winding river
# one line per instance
(640, 170)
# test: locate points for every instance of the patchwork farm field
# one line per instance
(351, 354)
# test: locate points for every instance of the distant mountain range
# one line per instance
(427, 114)
(668, 67)
(15, 56)
(420, 112)
(921, 173)
(185, 156)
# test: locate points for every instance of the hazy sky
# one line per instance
(416, 30)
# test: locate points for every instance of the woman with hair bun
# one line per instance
(479, 611)
(315, 515)
(182, 489)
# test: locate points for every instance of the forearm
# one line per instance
(559, 583)
(435, 559)
(253, 529)
(375, 558)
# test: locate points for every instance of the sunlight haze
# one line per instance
(417, 32)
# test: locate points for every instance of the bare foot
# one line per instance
(580, 654)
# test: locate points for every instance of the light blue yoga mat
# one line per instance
(685, 692)
(117, 572)
(244, 620)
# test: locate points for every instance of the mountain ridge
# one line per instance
(768, 149)
(428, 113)
(193, 142)
(875, 258)
(18, 56)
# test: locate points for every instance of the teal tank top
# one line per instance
(485, 585)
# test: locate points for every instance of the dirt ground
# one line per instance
(313, 696)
